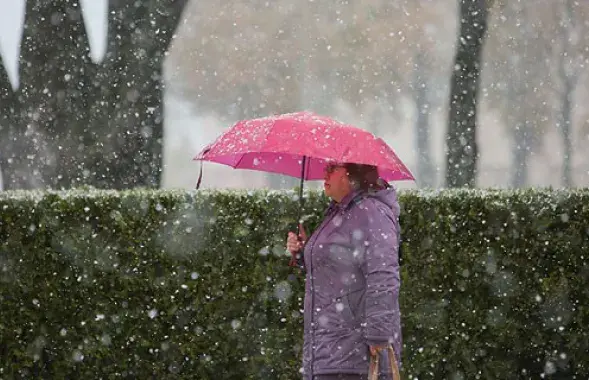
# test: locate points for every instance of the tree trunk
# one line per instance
(55, 87)
(569, 76)
(425, 169)
(130, 151)
(10, 157)
(521, 133)
(521, 154)
(565, 128)
(461, 144)
(43, 119)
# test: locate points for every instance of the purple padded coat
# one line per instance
(352, 285)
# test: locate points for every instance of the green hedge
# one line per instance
(146, 284)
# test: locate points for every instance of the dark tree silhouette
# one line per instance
(570, 66)
(9, 141)
(461, 144)
(73, 122)
(425, 168)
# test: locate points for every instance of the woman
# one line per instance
(352, 277)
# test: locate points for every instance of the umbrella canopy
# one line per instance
(301, 145)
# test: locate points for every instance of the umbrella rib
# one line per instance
(239, 161)
(260, 150)
(263, 148)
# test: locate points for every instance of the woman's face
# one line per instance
(337, 183)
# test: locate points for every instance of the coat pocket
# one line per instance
(343, 306)
(349, 306)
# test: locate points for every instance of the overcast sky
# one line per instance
(12, 14)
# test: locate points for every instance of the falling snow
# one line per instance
(124, 98)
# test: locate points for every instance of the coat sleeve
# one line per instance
(381, 271)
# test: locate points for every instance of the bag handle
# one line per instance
(374, 363)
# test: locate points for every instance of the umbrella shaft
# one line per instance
(301, 202)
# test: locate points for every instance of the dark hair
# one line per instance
(364, 177)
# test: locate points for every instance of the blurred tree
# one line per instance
(129, 106)
(294, 57)
(73, 122)
(55, 91)
(461, 144)
(421, 83)
(423, 39)
(45, 120)
(570, 48)
(516, 80)
(9, 133)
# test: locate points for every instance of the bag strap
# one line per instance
(373, 371)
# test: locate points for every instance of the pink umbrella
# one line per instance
(301, 145)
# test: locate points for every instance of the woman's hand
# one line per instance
(294, 243)
(376, 348)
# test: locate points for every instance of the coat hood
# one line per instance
(389, 198)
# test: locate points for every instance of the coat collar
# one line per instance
(346, 202)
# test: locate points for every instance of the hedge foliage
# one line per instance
(163, 284)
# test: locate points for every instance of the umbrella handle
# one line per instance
(294, 260)
(295, 257)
